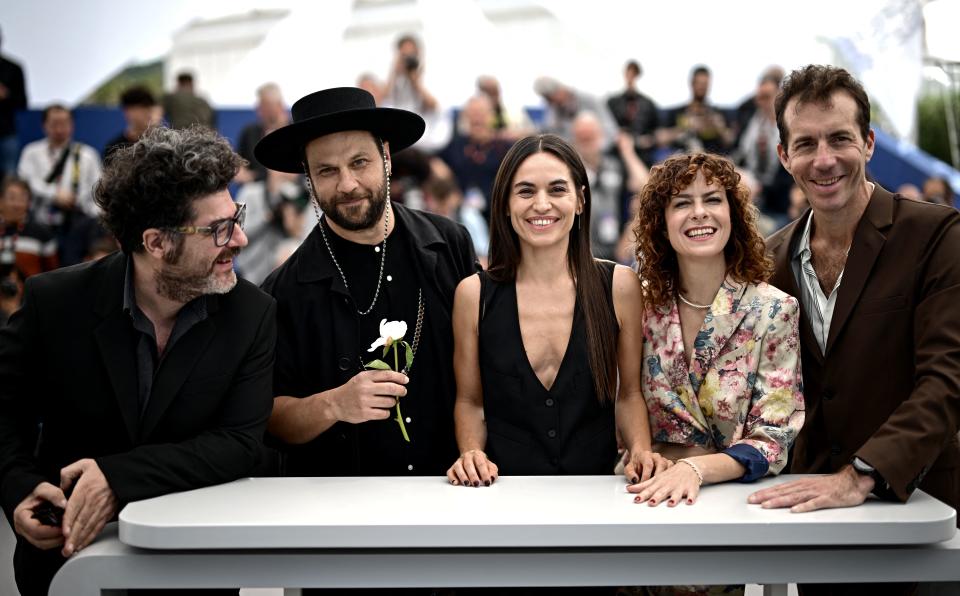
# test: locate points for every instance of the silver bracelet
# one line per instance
(695, 469)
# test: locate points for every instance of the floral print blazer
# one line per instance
(743, 384)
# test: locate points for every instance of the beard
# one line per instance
(362, 216)
(183, 282)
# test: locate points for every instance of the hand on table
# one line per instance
(845, 488)
(36, 533)
(679, 483)
(90, 506)
(642, 464)
(473, 468)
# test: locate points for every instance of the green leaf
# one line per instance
(409, 355)
(378, 364)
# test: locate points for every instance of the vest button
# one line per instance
(344, 363)
(552, 433)
(549, 402)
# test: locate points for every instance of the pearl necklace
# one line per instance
(693, 304)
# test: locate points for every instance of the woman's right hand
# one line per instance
(642, 464)
(473, 468)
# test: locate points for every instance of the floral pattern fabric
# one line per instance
(743, 384)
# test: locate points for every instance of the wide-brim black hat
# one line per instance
(335, 110)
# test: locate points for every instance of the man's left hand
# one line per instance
(845, 488)
(90, 506)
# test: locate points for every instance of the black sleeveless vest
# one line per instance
(532, 431)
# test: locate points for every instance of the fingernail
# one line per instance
(476, 484)
(652, 502)
(634, 480)
(689, 501)
(486, 483)
(637, 500)
(454, 482)
(671, 502)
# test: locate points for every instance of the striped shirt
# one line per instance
(816, 305)
(33, 248)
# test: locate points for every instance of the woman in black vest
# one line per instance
(541, 337)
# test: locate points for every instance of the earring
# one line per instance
(579, 222)
(313, 195)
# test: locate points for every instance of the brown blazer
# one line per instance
(888, 388)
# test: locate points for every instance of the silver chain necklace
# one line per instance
(383, 253)
(416, 333)
(383, 256)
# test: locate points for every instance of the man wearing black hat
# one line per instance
(366, 262)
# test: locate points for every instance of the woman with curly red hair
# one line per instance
(721, 370)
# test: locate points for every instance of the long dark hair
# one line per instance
(587, 273)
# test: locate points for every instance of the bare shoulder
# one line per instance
(466, 300)
(625, 280)
(627, 295)
(469, 288)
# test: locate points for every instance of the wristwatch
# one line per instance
(880, 487)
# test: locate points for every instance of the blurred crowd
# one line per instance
(48, 218)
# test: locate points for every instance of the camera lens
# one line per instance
(8, 288)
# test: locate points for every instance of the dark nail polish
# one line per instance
(634, 480)
(486, 483)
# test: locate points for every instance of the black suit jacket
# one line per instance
(68, 363)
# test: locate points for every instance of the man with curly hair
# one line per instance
(146, 372)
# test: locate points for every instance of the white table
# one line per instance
(523, 531)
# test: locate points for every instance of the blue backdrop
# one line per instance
(894, 162)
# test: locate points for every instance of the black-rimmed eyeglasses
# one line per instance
(221, 230)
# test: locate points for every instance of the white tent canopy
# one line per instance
(584, 44)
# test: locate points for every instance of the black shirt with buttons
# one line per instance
(381, 441)
(323, 342)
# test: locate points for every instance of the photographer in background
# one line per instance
(24, 243)
(275, 213)
(405, 90)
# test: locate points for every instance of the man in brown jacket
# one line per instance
(878, 277)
